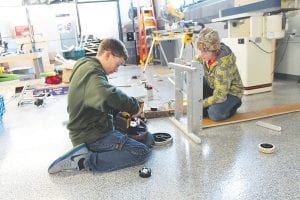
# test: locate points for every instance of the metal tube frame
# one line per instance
(155, 42)
(189, 80)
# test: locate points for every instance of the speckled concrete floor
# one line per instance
(227, 165)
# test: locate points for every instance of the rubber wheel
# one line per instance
(161, 139)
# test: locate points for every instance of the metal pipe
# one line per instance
(182, 67)
(78, 21)
(119, 22)
(30, 29)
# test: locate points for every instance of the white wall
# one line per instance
(11, 3)
(42, 19)
(11, 17)
(99, 19)
(290, 60)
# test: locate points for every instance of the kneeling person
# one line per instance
(91, 104)
(222, 84)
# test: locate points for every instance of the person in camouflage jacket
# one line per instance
(222, 85)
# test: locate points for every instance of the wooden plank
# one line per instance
(158, 114)
(238, 117)
(242, 117)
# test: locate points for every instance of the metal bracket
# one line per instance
(188, 80)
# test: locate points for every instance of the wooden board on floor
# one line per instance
(241, 117)
(238, 117)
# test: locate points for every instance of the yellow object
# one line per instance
(128, 116)
(141, 103)
(188, 36)
(123, 119)
(125, 114)
(174, 12)
(1, 70)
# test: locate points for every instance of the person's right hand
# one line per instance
(137, 114)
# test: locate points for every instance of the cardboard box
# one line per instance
(67, 71)
(66, 74)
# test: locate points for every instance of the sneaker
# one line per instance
(69, 161)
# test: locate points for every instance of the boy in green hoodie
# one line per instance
(91, 104)
(222, 85)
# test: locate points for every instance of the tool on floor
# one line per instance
(266, 148)
(161, 139)
(27, 97)
(269, 126)
(154, 109)
(149, 89)
(145, 172)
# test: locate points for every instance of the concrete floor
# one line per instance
(226, 165)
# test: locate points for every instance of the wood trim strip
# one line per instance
(242, 117)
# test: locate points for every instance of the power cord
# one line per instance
(269, 52)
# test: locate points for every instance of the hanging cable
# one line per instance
(282, 56)
(269, 52)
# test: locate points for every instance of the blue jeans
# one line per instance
(116, 151)
(220, 111)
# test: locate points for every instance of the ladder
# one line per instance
(147, 23)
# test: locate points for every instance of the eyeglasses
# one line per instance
(121, 60)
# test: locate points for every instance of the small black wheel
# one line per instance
(161, 139)
(145, 172)
(38, 102)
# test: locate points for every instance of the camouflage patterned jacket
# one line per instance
(223, 77)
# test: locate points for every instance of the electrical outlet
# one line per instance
(257, 40)
(293, 33)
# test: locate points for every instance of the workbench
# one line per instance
(35, 58)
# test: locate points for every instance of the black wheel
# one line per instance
(161, 139)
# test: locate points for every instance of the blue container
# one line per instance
(74, 55)
(2, 107)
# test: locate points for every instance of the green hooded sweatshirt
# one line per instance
(92, 101)
(223, 77)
